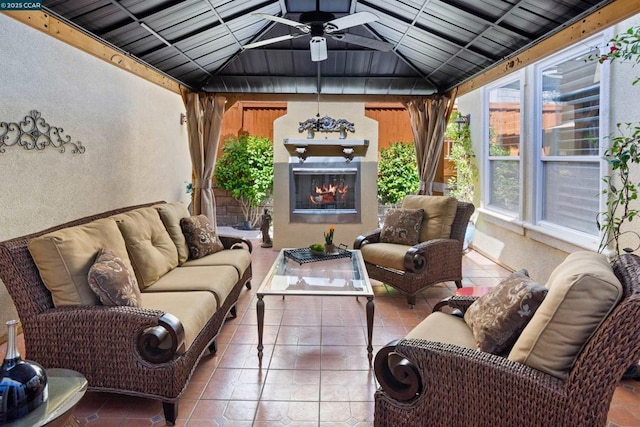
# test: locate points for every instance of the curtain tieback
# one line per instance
(204, 185)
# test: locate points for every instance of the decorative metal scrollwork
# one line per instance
(326, 124)
(34, 133)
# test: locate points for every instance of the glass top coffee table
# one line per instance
(298, 272)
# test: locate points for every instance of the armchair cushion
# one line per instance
(389, 255)
(113, 280)
(439, 213)
(64, 257)
(582, 292)
(151, 250)
(402, 226)
(445, 328)
(171, 214)
(498, 317)
(200, 236)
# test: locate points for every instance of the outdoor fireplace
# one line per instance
(324, 190)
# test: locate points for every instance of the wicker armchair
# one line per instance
(425, 264)
(436, 384)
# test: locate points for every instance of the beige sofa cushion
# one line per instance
(151, 250)
(64, 258)
(388, 255)
(219, 280)
(582, 292)
(445, 328)
(439, 213)
(171, 214)
(194, 309)
(238, 258)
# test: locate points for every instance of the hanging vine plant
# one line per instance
(620, 188)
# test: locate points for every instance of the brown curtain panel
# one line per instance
(204, 122)
(429, 117)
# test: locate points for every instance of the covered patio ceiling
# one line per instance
(435, 45)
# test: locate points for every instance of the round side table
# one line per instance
(66, 388)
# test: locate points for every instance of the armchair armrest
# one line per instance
(231, 242)
(434, 252)
(428, 372)
(456, 302)
(363, 239)
(111, 333)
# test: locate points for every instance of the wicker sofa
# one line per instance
(148, 351)
(436, 376)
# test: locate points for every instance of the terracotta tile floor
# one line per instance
(315, 370)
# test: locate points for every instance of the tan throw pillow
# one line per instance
(200, 236)
(171, 214)
(402, 226)
(498, 317)
(582, 292)
(151, 250)
(439, 213)
(64, 257)
(113, 281)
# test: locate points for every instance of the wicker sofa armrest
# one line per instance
(370, 237)
(155, 336)
(233, 242)
(436, 253)
(414, 371)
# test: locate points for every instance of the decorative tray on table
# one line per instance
(305, 255)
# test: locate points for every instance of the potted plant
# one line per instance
(245, 169)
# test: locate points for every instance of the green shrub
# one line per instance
(397, 172)
(245, 169)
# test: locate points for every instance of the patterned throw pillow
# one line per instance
(200, 237)
(113, 281)
(402, 226)
(498, 317)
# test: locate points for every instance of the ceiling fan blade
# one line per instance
(363, 41)
(299, 25)
(318, 48)
(273, 40)
(349, 21)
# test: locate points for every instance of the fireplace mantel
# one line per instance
(347, 148)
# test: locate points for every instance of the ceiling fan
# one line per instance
(319, 24)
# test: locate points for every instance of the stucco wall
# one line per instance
(291, 234)
(516, 244)
(136, 150)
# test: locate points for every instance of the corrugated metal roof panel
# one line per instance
(444, 40)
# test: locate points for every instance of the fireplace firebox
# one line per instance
(325, 190)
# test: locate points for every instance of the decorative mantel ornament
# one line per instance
(34, 133)
(326, 124)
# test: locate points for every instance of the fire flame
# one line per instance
(329, 193)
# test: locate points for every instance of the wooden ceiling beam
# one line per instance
(64, 32)
(611, 14)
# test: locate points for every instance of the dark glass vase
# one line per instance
(23, 384)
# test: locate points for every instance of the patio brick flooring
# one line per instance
(315, 368)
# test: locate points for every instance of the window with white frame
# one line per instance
(503, 151)
(569, 119)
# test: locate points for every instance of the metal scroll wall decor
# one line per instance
(34, 133)
(326, 124)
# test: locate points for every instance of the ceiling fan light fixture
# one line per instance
(318, 47)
